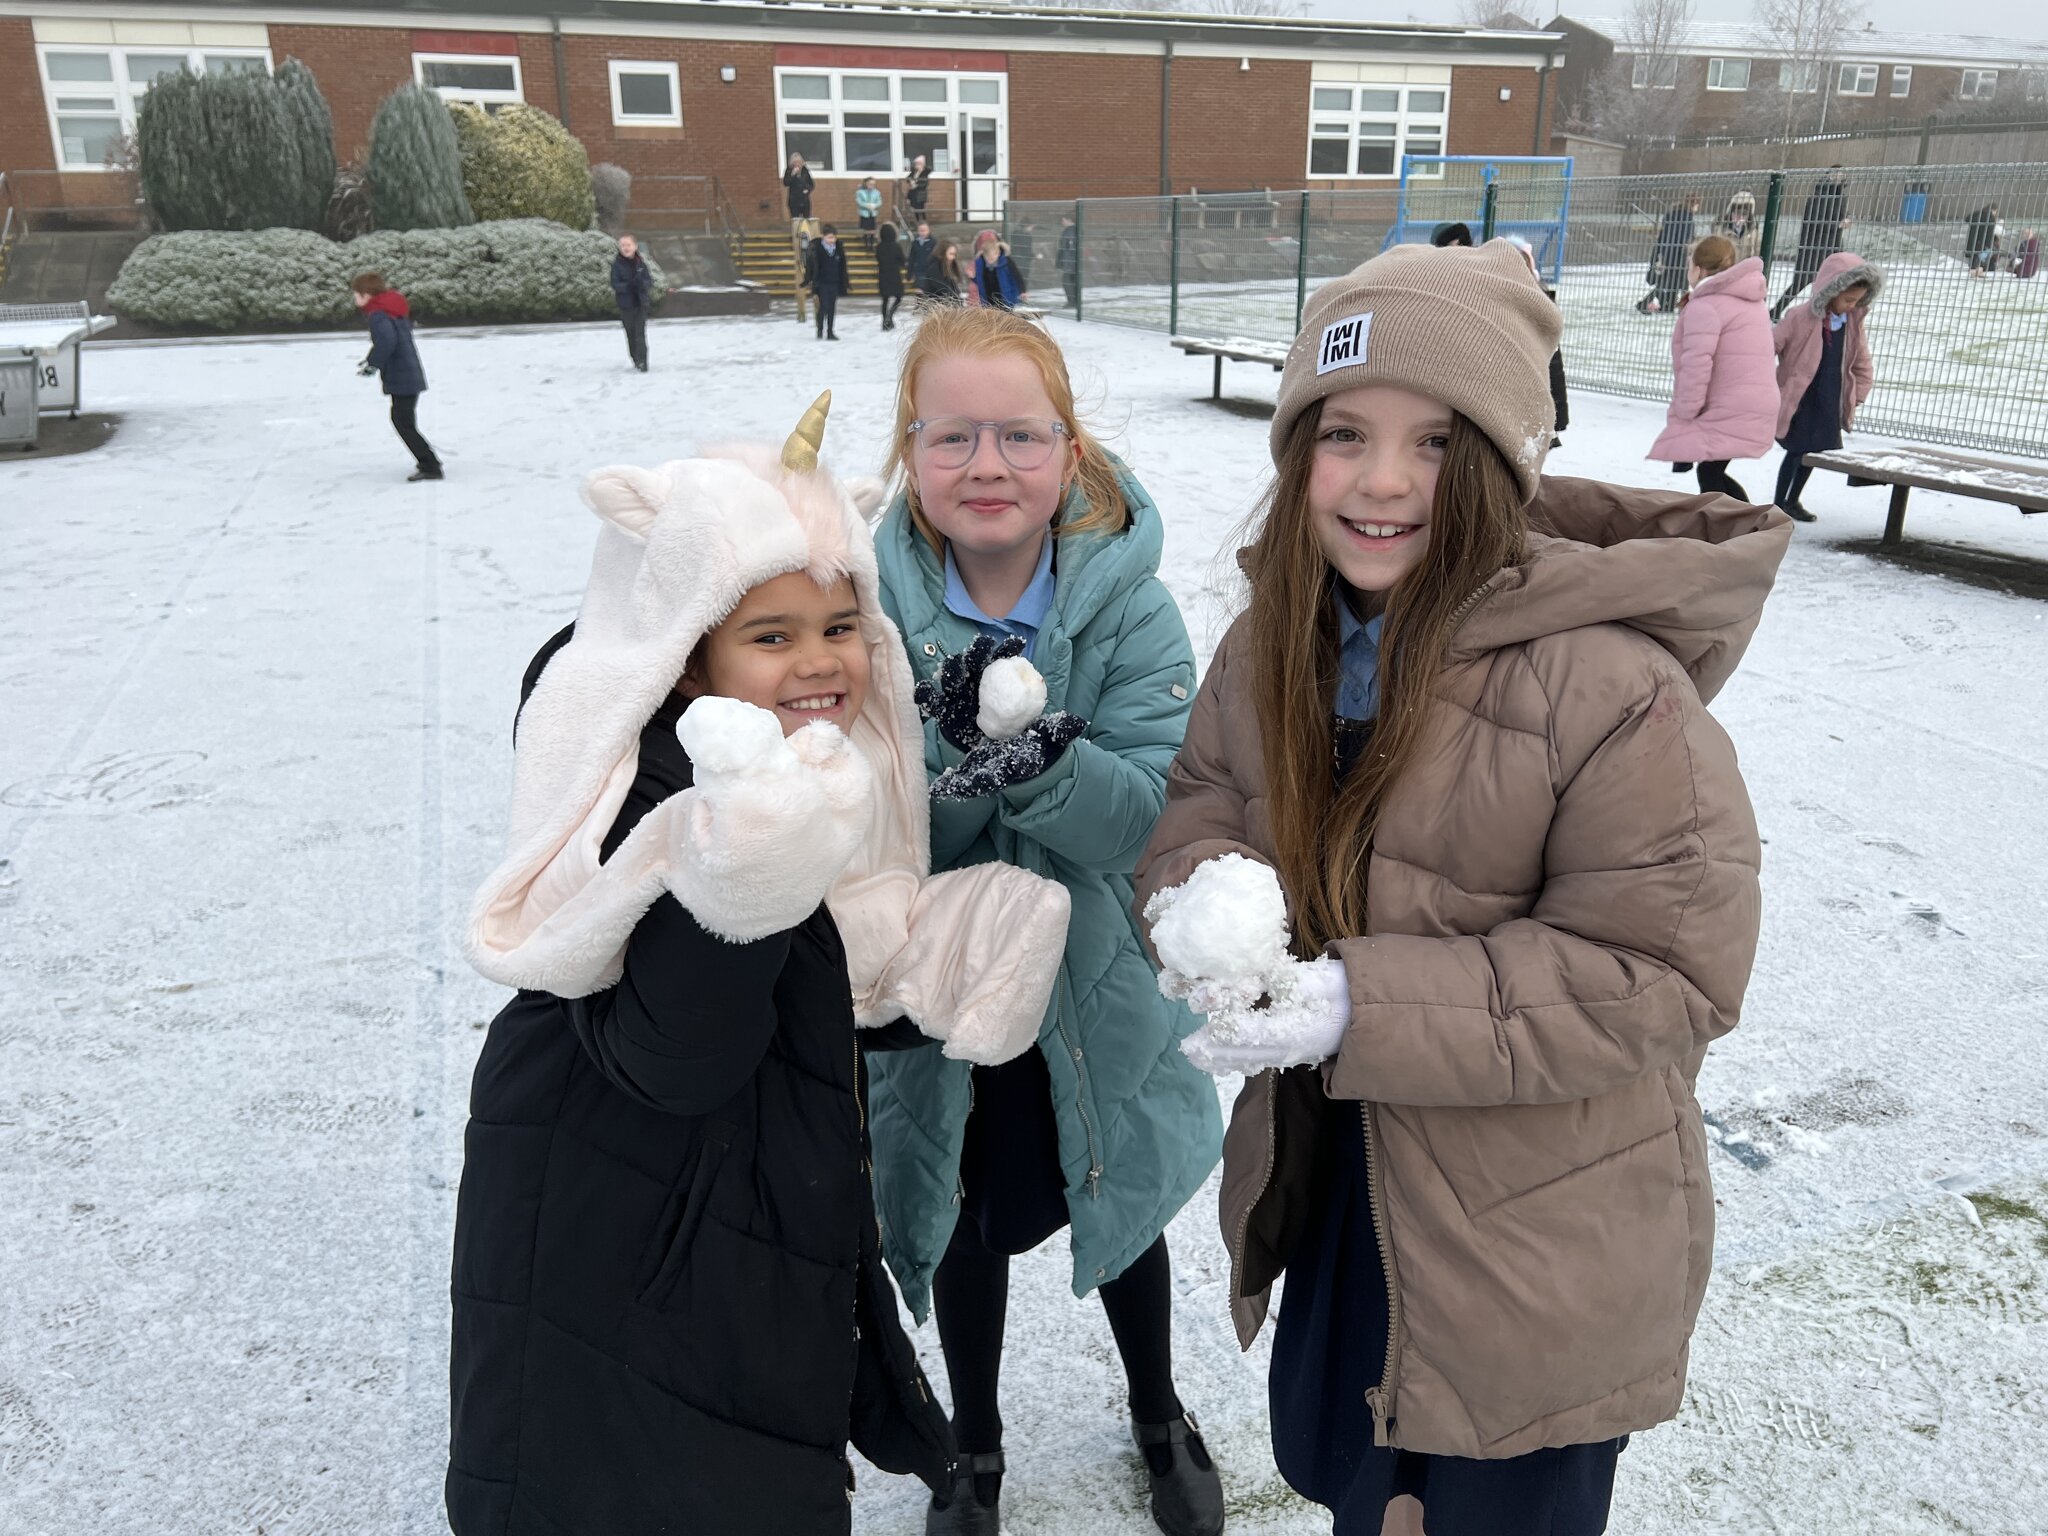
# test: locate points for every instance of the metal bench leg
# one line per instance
(1216, 389)
(1895, 518)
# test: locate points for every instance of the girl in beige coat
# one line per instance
(1494, 889)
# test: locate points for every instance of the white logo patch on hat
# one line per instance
(1343, 343)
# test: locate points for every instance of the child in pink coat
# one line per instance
(1724, 400)
(1824, 369)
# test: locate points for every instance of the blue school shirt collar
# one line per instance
(1358, 662)
(1025, 620)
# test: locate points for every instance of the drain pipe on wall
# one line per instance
(561, 75)
(1542, 92)
(1166, 121)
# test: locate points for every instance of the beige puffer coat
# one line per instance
(1563, 911)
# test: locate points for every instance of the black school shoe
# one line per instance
(1187, 1493)
(1798, 514)
(425, 474)
(964, 1514)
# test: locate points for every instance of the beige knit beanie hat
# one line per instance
(1472, 328)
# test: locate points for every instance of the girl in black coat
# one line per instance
(889, 269)
(670, 1312)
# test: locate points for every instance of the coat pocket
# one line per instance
(683, 1214)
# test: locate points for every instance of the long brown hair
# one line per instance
(1323, 832)
(996, 333)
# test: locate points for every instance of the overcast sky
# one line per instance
(2029, 20)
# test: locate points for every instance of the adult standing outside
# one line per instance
(1980, 240)
(826, 276)
(917, 187)
(923, 255)
(797, 183)
(1821, 223)
(633, 287)
(1671, 257)
(889, 265)
(393, 355)
(1068, 260)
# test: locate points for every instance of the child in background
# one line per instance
(396, 359)
(1824, 369)
(825, 274)
(670, 1312)
(889, 268)
(1017, 535)
(867, 202)
(1724, 398)
(1470, 764)
(995, 281)
(943, 282)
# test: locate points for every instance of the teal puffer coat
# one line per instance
(1139, 1127)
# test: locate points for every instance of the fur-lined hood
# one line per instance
(1838, 274)
(678, 548)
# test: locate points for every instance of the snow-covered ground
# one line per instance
(259, 693)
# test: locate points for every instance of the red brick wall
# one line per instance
(1086, 124)
(1238, 130)
(24, 126)
(357, 67)
(1483, 124)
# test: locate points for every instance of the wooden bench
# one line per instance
(1235, 351)
(2018, 484)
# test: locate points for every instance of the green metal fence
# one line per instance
(1961, 359)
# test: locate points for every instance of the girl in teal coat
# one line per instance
(1020, 564)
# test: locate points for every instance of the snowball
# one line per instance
(731, 736)
(1226, 922)
(1012, 696)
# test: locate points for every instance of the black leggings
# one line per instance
(402, 417)
(971, 1293)
(1792, 478)
(890, 304)
(1714, 476)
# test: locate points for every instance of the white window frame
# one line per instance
(1717, 74)
(486, 98)
(834, 106)
(1639, 75)
(1791, 74)
(126, 93)
(1852, 79)
(1407, 124)
(1902, 80)
(621, 118)
(1978, 85)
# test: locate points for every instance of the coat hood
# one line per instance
(1692, 575)
(1838, 274)
(1743, 200)
(1745, 280)
(678, 548)
(390, 302)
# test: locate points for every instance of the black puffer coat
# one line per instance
(670, 1309)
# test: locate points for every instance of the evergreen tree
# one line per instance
(415, 165)
(521, 163)
(310, 130)
(235, 151)
(179, 180)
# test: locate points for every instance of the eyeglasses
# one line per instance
(950, 442)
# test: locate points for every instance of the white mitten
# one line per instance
(1012, 696)
(769, 822)
(1307, 1009)
(1220, 933)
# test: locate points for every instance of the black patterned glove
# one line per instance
(997, 765)
(953, 697)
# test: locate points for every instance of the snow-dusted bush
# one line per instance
(612, 187)
(521, 269)
(521, 163)
(415, 166)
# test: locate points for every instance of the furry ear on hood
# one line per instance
(680, 545)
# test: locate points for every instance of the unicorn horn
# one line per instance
(800, 453)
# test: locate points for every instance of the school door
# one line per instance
(985, 165)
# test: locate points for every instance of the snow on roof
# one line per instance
(1747, 37)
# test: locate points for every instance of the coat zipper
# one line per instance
(1244, 1225)
(1380, 1399)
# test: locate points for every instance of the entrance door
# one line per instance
(981, 162)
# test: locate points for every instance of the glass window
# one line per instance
(645, 93)
(935, 144)
(806, 88)
(923, 88)
(1856, 80)
(864, 87)
(814, 144)
(1979, 84)
(146, 67)
(1376, 149)
(1329, 157)
(1727, 74)
(86, 140)
(1902, 79)
(231, 64)
(1379, 101)
(468, 75)
(981, 92)
(1800, 79)
(1647, 73)
(1328, 100)
(1385, 123)
(81, 66)
(1426, 101)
